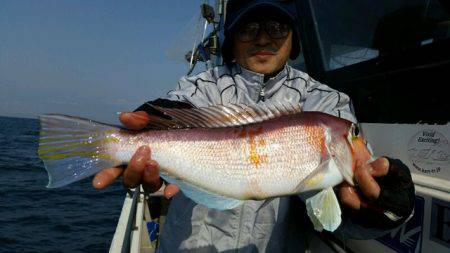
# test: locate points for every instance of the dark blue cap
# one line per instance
(238, 9)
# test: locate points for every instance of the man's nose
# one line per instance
(262, 38)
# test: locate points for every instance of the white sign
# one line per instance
(429, 152)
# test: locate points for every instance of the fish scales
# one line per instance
(254, 161)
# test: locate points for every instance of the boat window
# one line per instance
(353, 31)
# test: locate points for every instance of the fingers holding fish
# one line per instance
(366, 183)
(134, 172)
(365, 179)
(380, 167)
(349, 196)
(171, 190)
(134, 120)
(151, 182)
(106, 177)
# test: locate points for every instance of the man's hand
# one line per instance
(383, 196)
(364, 177)
(141, 169)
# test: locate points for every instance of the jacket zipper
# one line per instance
(262, 93)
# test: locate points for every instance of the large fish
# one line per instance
(219, 156)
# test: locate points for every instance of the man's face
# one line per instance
(266, 53)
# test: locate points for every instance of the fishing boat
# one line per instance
(393, 59)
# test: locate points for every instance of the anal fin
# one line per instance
(324, 211)
(203, 197)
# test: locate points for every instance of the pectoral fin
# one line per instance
(324, 211)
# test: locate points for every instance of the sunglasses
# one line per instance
(249, 31)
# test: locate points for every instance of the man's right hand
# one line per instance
(141, 169)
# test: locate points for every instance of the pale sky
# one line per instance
(90, 58)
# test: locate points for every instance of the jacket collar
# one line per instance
(255, 81)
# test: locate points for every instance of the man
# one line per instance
(259, 38)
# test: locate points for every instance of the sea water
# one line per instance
(75, 218)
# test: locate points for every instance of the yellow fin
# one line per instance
(74, 148)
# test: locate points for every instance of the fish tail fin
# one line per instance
(324, 211)
(73, 148)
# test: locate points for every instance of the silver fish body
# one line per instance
(268, 159)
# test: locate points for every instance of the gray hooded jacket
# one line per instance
(256, 226)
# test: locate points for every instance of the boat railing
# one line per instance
(139, 224)
(127, 222)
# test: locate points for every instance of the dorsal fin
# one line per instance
(219, 115)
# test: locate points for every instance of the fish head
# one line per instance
(337, 159)
(348, 149)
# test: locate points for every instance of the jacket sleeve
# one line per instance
(320, 97)
(199, 90)
(191, 91)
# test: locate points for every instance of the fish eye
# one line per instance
(355, 130)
